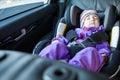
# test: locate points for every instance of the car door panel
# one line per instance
(32, 20)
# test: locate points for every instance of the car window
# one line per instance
(9, 8)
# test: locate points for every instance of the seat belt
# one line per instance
(71, 35)
(95, 38)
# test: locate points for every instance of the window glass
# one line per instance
(11, 7)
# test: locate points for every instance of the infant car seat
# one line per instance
(111, 25)
(108, 19)
(71, 20)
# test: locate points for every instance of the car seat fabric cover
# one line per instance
(112, 67)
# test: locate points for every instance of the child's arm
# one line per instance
(60, 33)
(105, 57)
(104, 48)
(61, 39)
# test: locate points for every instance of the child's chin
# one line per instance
(94, 26)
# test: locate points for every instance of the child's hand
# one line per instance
(105, 57)
(54, 41)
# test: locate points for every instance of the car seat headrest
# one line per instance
(75, 15)
(108, 16)
(72, 15)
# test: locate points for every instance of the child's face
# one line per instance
(91, 20)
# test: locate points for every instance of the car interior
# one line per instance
(25, 34)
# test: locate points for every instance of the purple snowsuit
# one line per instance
(88, 58)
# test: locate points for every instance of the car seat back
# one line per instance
(112, 68)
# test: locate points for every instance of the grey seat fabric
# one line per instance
(112, 68)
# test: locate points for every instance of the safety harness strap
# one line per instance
(95, 38)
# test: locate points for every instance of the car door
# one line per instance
(23, 25)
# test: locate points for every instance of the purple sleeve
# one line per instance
(78, 32)
(62, 39)
(101, 28)
(103, 48)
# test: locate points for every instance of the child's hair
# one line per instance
(84, 14)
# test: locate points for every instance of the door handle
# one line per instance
(23, 33)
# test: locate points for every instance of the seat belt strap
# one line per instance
(96, 38)
(71, 35)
